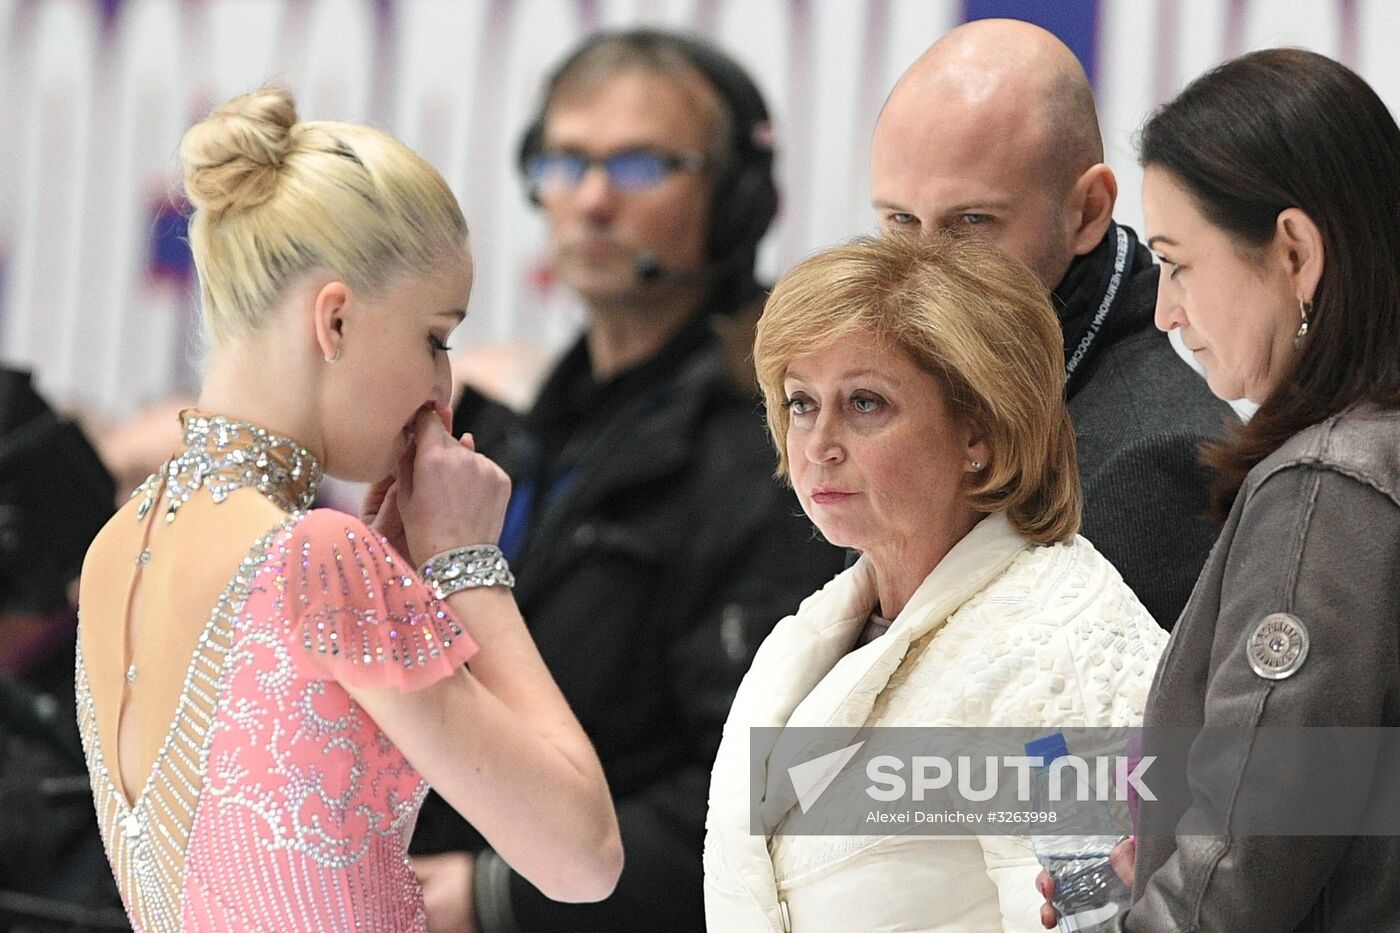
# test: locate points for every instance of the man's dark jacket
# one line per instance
(1140, 414)
(658, 554)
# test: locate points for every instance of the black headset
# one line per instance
(745, 195)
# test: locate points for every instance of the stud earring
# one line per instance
(976, 466)
(1304, 309)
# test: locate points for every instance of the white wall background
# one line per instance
(95, 95)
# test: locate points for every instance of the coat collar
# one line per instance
(1099, 301)
(805, 674)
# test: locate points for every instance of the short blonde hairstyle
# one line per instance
(275, 198)
(976, 320)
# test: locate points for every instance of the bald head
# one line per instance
(1011, 75)
(994, 127)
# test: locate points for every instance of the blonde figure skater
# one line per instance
(266, 690)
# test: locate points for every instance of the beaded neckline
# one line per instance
(222, 455)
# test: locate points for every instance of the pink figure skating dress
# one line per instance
(259, 795)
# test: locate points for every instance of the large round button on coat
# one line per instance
(1278, 646)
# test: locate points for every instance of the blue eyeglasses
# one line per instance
(628, 170)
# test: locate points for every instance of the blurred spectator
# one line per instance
(54, 495)
(652, 545)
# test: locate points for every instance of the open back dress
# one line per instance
(238, 786)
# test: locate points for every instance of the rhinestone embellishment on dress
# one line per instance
(222, 455)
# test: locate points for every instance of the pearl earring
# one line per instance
(976, 466)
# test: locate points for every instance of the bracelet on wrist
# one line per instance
(464, 568)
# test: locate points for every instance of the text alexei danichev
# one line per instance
(1029, 817)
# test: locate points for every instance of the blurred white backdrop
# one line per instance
(96, 295)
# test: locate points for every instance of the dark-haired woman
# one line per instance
(1272, 197)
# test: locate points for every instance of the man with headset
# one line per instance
(652, 546)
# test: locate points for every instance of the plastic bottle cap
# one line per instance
(1048, 748)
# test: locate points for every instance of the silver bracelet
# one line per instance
(465, 568)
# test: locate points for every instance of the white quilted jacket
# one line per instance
(1003, 632)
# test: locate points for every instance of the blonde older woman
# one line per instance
(913, 389)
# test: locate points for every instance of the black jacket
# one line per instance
(1140, 415)
(666, 555)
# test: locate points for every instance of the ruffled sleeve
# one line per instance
(359, 614)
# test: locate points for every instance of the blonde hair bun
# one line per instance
(274, 198)
(232, 158)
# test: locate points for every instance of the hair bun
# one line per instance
(232, 157)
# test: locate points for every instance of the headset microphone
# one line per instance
(648, 268)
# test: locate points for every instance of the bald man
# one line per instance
(993, 132)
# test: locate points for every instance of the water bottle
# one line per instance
(1088, 892)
